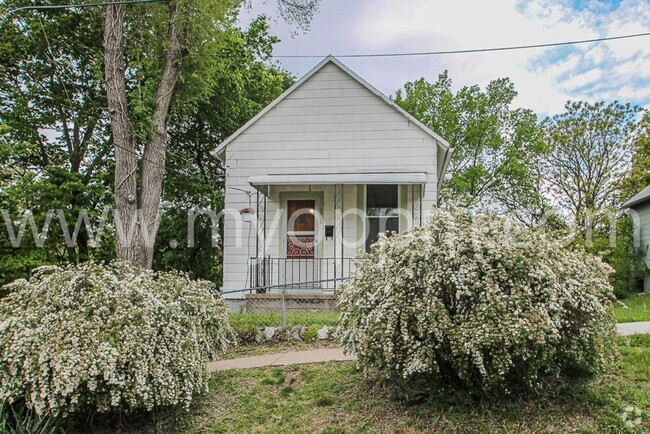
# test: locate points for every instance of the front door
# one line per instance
(301, 229)
(300, 264)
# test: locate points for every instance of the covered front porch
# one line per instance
(309, 228)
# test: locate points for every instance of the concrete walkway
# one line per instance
(282, 359)
(336, 354)
(633, 328)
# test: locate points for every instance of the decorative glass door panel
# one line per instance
(301, 229)
(300, 267)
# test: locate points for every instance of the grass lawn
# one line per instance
(336, 398)
(636, 308)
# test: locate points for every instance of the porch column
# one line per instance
(416, 205)
(260, 242)
(339, 232)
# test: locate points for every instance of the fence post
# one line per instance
(284, 309)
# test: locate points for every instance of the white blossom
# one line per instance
(481, 299)
(108, 337)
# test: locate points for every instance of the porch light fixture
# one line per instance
(247, 214)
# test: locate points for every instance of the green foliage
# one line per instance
(614, 243)
(241, 86)
(496, 147)
(247, 323)
(104, 338)
(17, 419)
(478, 301)
(53, 141)
(622, 256)
(226, 79)
(638, 177)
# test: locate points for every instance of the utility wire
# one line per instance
(78, 6)
(421, 53)
(473, 50)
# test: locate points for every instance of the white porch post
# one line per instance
(338, 231)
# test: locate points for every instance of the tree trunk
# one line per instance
(122, 134)
(137, 214)
(153, 160)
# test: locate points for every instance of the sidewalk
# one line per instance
(336, 354)
(282, 359)
(633, 328)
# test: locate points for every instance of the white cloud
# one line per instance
(469, 24)
(582, 79)
(544, 78)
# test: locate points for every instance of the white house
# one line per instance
(313, 178)
(640, 205)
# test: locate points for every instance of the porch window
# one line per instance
(381, 211)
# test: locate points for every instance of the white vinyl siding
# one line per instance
(330, 124)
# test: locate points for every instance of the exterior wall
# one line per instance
(330, 124)
(643, 211)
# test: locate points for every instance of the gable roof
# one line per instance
(444, 148)
(642, 196)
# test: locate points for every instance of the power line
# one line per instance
(414, 54)
(473, 50)
(79, 6)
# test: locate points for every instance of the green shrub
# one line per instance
(622, 256)
(479, 301)
(108, 337)
(246, 325)
(16, 419)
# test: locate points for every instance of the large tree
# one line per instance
(180, 40)
(591, 148)
(496, 146)
(243, 85)
(42, 167)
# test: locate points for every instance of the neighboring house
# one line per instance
(640, 205)
(297, 172)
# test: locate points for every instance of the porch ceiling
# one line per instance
(261, 183)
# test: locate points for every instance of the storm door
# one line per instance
(300, 263)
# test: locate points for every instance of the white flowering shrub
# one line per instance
(480, 301)
(108, 337)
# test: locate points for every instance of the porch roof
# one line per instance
(262, 182)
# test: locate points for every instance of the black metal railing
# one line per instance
(299, 274)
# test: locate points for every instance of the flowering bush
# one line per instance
(107, 337)
(480, 301)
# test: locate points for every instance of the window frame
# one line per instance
(397, 208)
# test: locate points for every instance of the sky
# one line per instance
(545, 78)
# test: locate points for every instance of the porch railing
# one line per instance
(299, 274)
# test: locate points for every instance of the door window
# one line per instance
(301, 228)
